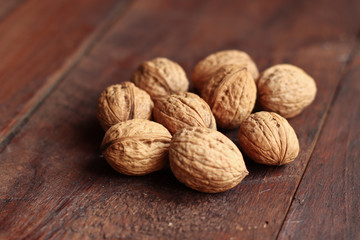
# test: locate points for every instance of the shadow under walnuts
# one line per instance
(163, 183)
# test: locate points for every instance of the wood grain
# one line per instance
(55, 185)
(326, 205)
(6, 7)
(41, 41)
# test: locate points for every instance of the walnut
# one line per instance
(179, 111)
(136, 147)
(209, 65)
(268, 138)
(206, 160)
(161, 77)
(122, 102)
(231, 95)
(285, 89)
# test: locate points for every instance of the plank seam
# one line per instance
(60, 74)
(343, 74)
(12, 10)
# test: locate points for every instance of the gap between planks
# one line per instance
(342, 75)
(54, 79)
(9, 8)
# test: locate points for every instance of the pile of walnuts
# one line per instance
(184, 128)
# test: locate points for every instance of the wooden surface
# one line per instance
(55, 63)
(41, 41)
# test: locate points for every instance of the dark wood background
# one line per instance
(57, 56)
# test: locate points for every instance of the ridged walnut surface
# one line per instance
(285, 89)
(268, 138)
(161, 77)
(176, 112)
(231, 95)
(136, 147)
(122, 102)
(206, 160)
(209, 65)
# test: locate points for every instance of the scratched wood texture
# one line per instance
(327, 202)
(41, 40)
(54, 184)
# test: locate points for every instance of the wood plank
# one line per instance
(54, 183)
(326, 205)
(6, 7)
(41, 40)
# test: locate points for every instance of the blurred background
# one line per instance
(57, 56)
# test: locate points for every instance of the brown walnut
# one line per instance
(161, 77)
(136, 147)
(122, 102)
(209, 65)
(176, 112)
(285, 89)
(268, 138)
(206, 160)
(231, 95)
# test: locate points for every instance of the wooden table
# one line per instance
(57, 56)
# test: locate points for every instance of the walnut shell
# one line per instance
(122, 102)
(176, 112)
(285, 89)
(136, 147)
(231, 95)
(209, 65)
(206, 160)
(161, 77)
(268, 138)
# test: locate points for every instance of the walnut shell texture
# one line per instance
(161, 77)
(176, 112)
(136, 147)
(209, 65)
(285, 89)
(268, 138)
(206, 160)
(231, 95)
(122, 102)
